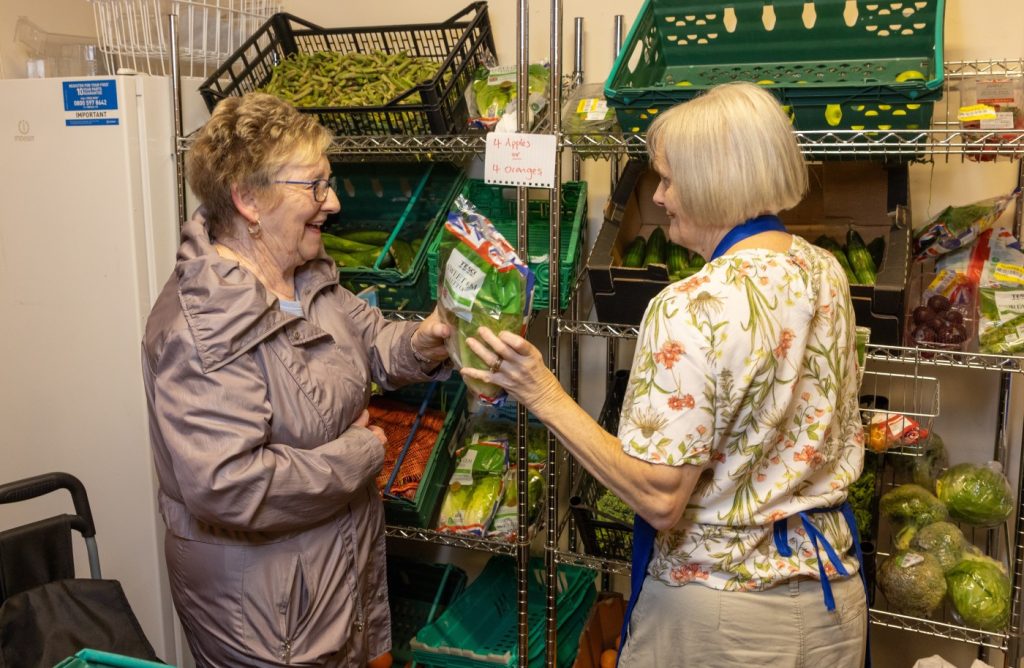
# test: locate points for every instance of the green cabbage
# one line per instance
(911, 505)
(980, 592)
(978, 495)
(942, 540)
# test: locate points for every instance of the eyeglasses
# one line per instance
(319, 187)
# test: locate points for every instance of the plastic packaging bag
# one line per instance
(957, 226)
(484, 283)
(474, 489)
(493, 93)
(977, 495)
(505, 525)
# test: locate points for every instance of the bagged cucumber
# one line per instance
(484, 283)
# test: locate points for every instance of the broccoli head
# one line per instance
(942, 540)
(912, 505)
(912, 582)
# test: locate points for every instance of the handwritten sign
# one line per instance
(520, 159)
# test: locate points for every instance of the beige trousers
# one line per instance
(786, 626)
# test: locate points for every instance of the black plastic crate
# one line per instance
(458, 44)
(868, 197)
(602, 536)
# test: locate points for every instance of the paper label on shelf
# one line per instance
(995, 91)
(90, 102)
(519, 159)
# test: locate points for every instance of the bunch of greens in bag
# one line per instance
(475, 488)
(957, 226)
(483, 283)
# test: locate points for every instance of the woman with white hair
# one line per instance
(740, 430)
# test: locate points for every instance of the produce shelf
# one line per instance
(609, 566)
(451, 540)
(946, 358)
(939, 629)
(944, 139)
(901, 354)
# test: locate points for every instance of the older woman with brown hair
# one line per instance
(740, 430)
(257, 368)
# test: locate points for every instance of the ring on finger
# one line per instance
(496, 364)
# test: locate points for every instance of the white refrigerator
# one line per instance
(88, 233)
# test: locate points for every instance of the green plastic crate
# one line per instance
(449, 396)
(410, 200)
(480, 628)
(418, 593)
(498, 203)
(834, 75)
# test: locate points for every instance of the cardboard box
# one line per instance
(602, 629)
(868, 197)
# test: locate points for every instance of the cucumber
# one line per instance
(403, 254)
(657, 244)
(332, 242)
(676, 258)
(696, 261)
(635, 251)
(860, 259)
(832, 246)
(371, 237)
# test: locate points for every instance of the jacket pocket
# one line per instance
(276, 601)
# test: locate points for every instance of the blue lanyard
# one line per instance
(765, 223)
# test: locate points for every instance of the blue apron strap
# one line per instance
(779, 534)
(643, 550)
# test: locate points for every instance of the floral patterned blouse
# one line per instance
(749, 370)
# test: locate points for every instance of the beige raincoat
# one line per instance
(274, 543)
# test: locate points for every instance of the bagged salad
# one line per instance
(483, 283)
(493, 96)
(995, 263)
(957, 226)
(475, 488)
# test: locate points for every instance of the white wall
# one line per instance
(975, 29)
(70, 17)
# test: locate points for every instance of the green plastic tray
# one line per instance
(410, 200)
(451, 397)
(418, 593)
(480, 628)
(677, 49)
(498, 203)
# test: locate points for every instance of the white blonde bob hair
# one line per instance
(730, 155)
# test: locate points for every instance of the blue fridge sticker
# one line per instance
(91, 102)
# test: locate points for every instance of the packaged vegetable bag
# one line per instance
(483, 283)
(957, 226)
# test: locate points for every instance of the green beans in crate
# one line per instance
(498, 203)
(835, 65)
(436, 105)
(392, 204)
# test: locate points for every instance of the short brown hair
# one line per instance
(247, 140)
(731, 155)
